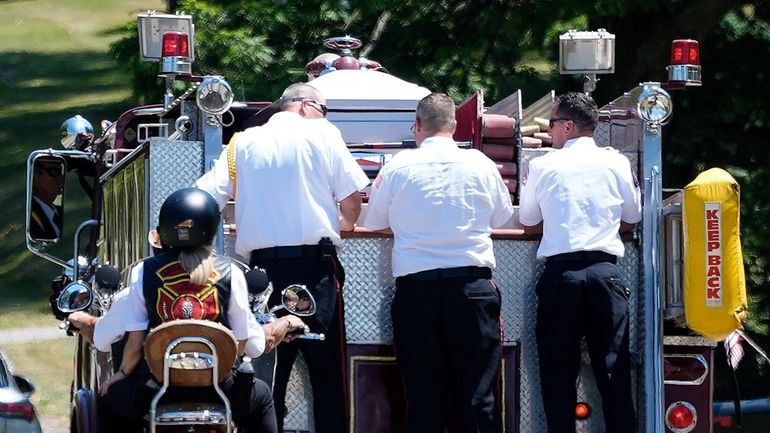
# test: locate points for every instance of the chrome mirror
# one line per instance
(45, 199)
(297, 300)
(76, 296)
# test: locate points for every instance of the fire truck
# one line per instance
(150, 151)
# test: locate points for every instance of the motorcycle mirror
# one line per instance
(298, 300)
(76, 296)
(107, 278)
(45, 200)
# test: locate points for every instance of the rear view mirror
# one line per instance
(297, 299)
(76, 296)
(45, 198)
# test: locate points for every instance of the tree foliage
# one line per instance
(504, 45)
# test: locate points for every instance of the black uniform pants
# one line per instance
(123, 408)
(326, 360)
(448, 346)
(576, 298)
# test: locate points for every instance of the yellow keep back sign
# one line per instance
(714, 280)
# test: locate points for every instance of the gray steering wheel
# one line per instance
(340, 43)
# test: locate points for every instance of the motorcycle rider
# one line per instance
(184, 281)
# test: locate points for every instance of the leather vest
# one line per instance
(170, 295)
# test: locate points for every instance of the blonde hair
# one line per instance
(198, 262)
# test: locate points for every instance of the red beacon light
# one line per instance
(175, 54)
(685, 63)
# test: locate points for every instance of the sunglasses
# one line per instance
(323, 109)
(556, 119)
(50, 171)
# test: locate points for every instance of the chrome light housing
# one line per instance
(76, 133)
(214, 95)
(654, 104)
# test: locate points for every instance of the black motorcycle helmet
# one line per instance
(188, 218)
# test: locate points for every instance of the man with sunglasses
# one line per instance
(296, 186)
(47, 184)
(580, 197)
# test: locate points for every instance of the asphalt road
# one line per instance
(30, 335)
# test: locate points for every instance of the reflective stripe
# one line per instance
(231, 160)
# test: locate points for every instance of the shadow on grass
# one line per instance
(37, 77)
(37, 93)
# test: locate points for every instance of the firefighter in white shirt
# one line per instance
(441, 202)
(580, 197)
(288, 177)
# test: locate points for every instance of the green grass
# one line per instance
(53, 64)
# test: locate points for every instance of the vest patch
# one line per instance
(178, 298)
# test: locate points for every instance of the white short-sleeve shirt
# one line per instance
(291, 173)
(129, 313)
(581, 193)
(441, 203)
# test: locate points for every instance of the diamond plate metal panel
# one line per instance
(299, 398)
(173, 165)
(369, 288)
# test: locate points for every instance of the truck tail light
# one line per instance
(175, 44)
(685, 52)
(175, 54)
(685, 63)
(681, 417)
(725, 421)
(20, 409)
(582, 411)
(684, 369)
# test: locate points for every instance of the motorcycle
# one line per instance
(194, 353)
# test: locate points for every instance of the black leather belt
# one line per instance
(584, 257)
(440, 274)
(286, 252)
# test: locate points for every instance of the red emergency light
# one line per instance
(685, 63)
(681, 417)
(175, 53)
(175, 44)
(685, 52)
